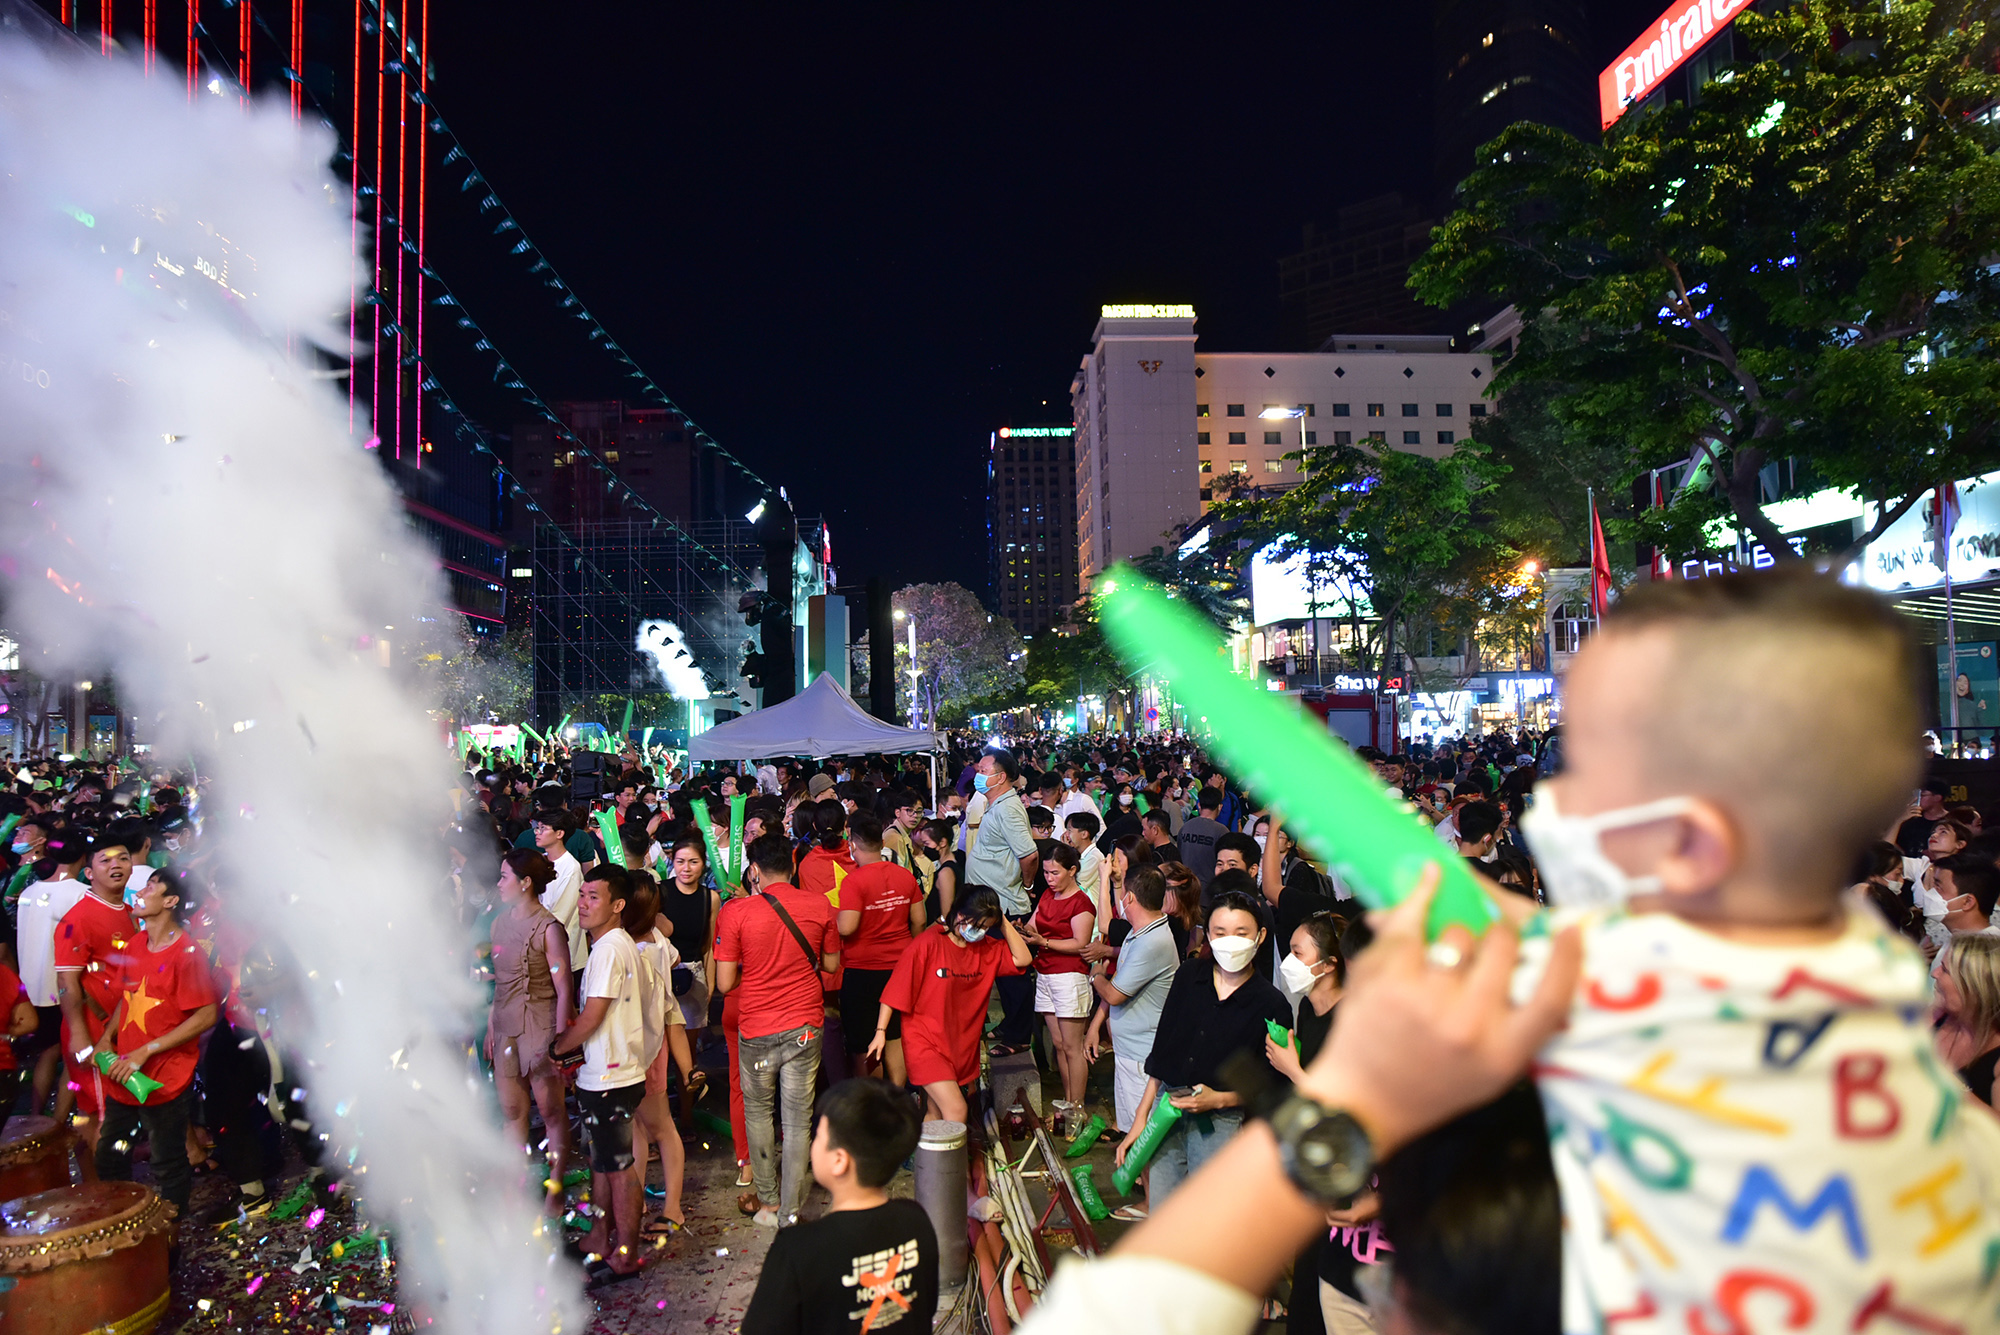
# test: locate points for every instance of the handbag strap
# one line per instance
(812, 960)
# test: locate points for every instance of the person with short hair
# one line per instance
(776, 943)
(552, 829)
(611, 1031)
(1478, 832)
(43, 905)
(870, 1264)
(881, 909)
(1134, 992)
(165, 1002)
(90, 943)
(1004, 857)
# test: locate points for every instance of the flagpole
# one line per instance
(1951, 650)
(1596, 611)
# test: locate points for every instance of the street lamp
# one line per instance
(915, 675)
(1312, 576)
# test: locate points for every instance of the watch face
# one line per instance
(1325, 1152)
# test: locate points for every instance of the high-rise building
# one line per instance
(1164, 430)
(651, 449)
(1356, 276)
(1496, 62)
(1031, 524)
(1133, 404)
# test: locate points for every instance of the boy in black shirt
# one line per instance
(872, 1262)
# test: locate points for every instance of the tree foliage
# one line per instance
(1408, 531)
(1797, 265)
(474, 678)
(1209, 585)
(970, 654)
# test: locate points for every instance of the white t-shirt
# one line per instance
(42, 907)
(560, 900)
(657, 958)
(615, 1053)
(141, 873)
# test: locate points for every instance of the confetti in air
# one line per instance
(218, 596)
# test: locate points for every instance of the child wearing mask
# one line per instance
(1750, 1126)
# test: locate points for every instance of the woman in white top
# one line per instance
(666, 1041)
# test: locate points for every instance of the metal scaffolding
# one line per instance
(595, 583)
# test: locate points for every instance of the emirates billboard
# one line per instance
(1659, 51)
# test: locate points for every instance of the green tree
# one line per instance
(1797, 265)
(473, 678)
(1210, 586)
(1405, 532)
(967, 655)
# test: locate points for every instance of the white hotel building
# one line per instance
(1161, 429)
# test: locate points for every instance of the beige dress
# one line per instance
(524, 995)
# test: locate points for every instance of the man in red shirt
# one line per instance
(881, 908)
(771, 949)
(165, 1002)
(91, 945)
(17, 1020)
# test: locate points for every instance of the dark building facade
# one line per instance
(1031, 524)
(1496, 62)
(1355, 276)
(651, 449)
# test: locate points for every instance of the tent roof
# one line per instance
(822, 720)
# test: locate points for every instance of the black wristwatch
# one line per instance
(1325, 1152)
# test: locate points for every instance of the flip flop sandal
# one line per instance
(1130, 1214)
(748, 1204)
(743, 1177)
(659, 1226)
(601, 1274)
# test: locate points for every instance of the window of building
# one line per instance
(1201, 410)
(1270, 406)
(1375, 410)
(1476, 410)
(1343, 437)
(1312, 437)
(1378, 435)
(1306, 408)
(1413, 437)
(611, 456)
(1208, 465)
(1409, 410)
(1445, 438)
(1274, 437)
(1340, 410)
(1274, 466)
(1239, 465)
(1237, 437)
(1444, 410)
(1207, 494)
(1235, 410)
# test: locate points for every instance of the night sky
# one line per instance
(851, 243)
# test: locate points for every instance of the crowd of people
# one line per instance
(854, 947)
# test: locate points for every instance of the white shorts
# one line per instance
(1068, 995)
(1128, 1087)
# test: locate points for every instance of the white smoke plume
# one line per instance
(668, 647)
(182, 502)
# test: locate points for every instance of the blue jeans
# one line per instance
(779, 1069)
(1186, 1148)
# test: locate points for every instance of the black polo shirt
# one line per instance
(1198, 1033)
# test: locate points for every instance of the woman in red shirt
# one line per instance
(940, 987)
(1059, 931)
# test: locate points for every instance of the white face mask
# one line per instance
(1232, 952)
(1296, 976)
(1574, 868)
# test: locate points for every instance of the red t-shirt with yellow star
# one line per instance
(161, 989)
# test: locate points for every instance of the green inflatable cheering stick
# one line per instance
(1086, 1192)
(1086, 1138)
(1158, 1123)
(1330, 799)
(138, 1082)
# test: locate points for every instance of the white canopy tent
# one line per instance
(822, 720)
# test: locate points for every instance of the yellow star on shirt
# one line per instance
(137, 1004)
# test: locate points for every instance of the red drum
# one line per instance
(85, 1259)
(34, 1156)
